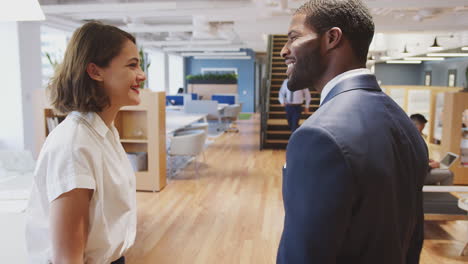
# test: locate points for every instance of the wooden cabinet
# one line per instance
(142, 128)
(452, 133)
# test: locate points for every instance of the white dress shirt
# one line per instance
(82, 152)
(298, 97)
(339, 78)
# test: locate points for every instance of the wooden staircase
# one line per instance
(276, 132)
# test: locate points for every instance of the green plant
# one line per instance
(53, 62)
(213, 76)
(466, 77)
(144, 64)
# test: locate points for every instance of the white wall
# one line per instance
(31, 76)
(11, 110)
(176, 73)
(157, 71)
(20, 73)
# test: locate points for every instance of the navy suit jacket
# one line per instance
(352, 185)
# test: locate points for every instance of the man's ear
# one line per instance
(94, 72)
(333, 37)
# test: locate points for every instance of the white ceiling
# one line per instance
(185, 24)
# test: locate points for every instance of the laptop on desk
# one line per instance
(448, 160)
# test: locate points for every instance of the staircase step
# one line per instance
(283, 116)
(281, 122)
(280, 134)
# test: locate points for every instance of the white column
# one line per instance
(20, 51)
(166, 73)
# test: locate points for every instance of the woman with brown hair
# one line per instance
(83, 207)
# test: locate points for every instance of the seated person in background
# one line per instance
(436, 175)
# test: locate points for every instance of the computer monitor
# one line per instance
(448, 160)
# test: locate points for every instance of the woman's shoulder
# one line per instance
(71, 134)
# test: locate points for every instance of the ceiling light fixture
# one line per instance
(203, 48)
(447, 54)
(423, 59)
(405, 50)
(464, 48)
(435, 46)
(188, 54)
(403, 62)
(223, 57)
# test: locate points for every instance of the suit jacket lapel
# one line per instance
(365, 82)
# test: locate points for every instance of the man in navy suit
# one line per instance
(352, 182)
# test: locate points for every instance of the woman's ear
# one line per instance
(94, 72)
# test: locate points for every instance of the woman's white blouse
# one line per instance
(82, 152)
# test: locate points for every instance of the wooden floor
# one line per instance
(233, 213)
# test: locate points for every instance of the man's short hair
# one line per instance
(351, 16)
(418, 118)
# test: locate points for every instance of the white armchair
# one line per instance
(187, 143)
(231, 112)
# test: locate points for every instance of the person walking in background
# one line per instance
(354, 172)
(292, 101)
(82, 207)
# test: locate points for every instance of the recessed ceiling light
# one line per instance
(447, 54)
(423, 59)
(403, 62)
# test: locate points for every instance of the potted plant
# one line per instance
(211, 78)
(144, 64)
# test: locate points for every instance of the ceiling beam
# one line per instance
(204, 48)
(186, 42)
(413, 3)
(207, 54)
(94, 9)
(158, 28)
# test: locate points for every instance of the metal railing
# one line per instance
(265, 94)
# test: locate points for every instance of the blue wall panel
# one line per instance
(440, 71)
(399, 74)
(245, 71)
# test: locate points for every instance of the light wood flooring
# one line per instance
(233, 212)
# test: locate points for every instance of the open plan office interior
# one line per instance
(208, 140)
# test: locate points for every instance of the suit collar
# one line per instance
(365, 82)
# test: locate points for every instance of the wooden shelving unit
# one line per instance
(402, 93)
(448, 111)
(142, 128)
(454, 105)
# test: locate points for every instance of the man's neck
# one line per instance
(332, 72)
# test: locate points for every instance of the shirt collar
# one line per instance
(94, 120)
(339, 78)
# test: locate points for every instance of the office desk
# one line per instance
(176, 120)
(181, 107)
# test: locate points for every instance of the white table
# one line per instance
(14, 195)
(176, 120)
(463, 204)
(181, 107)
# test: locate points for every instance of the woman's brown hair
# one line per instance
(71, 88)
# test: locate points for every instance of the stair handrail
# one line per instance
(266, 94)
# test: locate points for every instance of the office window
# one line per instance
(176, 73)
(157, 71)
(53, 43)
